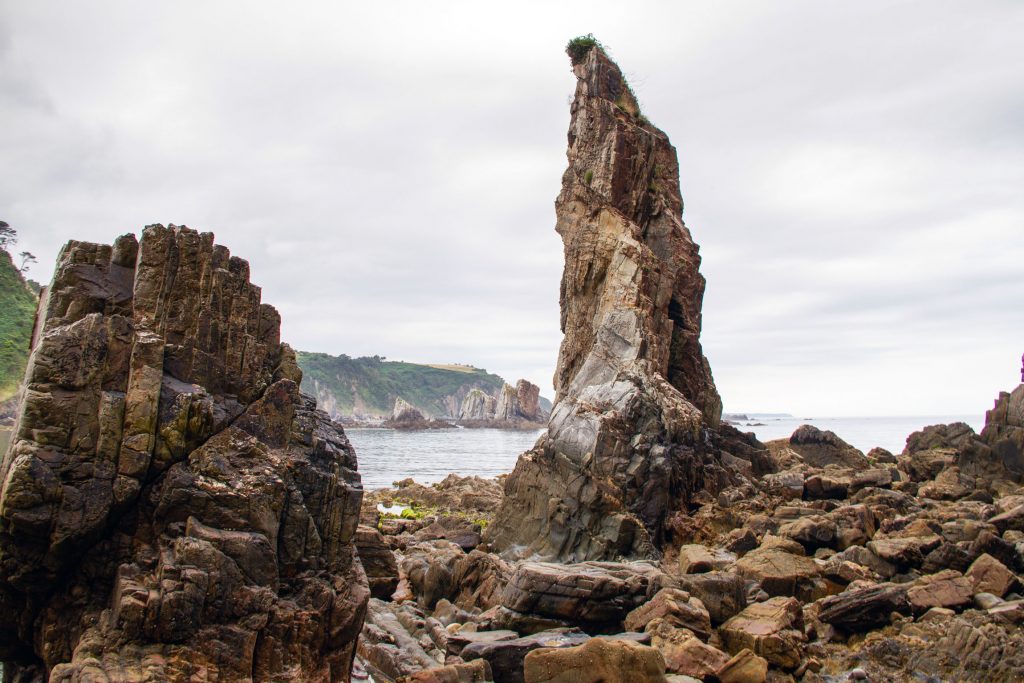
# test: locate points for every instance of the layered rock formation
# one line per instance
(514, 406)
(631, 436)
(477, 406)
(172, 507)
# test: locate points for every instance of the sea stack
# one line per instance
(172, 507)
(628, 438)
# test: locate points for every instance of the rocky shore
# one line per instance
(173, 508)
(835, 566)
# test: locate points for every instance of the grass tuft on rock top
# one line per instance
(578, 47)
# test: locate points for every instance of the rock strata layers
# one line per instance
(517, 406)
(631, 435)
(172, 507)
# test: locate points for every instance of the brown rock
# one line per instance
(597, 661)
(378, 562)
(698, 559)
(1011, 520)
(862, 609)
(479, 579)
(989, 575)
(811, 532)
(948, 588)
(675, 608)
(779, 572)
(744, 667)
(723, 594)
(594, 595)
(772, 629)
(506, 657)
(172, 507)
(628, 442)
(904, 552)
(683, 652)
(820, 448)
(478, 671)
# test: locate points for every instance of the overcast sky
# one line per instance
(853, 172)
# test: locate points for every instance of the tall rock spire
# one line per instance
(627, 441)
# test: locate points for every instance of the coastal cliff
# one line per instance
(631, 437)
(172, 507)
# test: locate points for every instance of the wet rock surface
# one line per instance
(172, 507)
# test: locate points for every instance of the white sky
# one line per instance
(853, 172)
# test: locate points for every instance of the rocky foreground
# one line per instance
(838, 565)
(172, 508)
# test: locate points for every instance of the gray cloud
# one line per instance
(852, 173)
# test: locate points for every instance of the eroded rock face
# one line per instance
(172, 506)
(627, 441)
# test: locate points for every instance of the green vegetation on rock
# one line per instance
(368, 386)
(579, 46)
(17, 313)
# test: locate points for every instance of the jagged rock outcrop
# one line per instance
(507, 405)
(477, 405)
(631, 437)
(528, 398)
(405, 412)
(517, 406)
(172, 507)
(521, 402)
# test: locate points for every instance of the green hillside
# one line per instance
(17, 312)
(346, 386)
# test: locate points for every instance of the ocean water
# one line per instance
(387, 455)
(862, 432)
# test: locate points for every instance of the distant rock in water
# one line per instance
(173, 508)
(406, 416)
(516, 407)
(633, 435)
(405, 412)
(477, 406)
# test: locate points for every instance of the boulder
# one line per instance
(723, 594)
(904, 552)
(942, 436)
(772, 629)
(744, 667)
(820, 448)
(683, 652)
(948, 588)
(597, 661)
(593, 595)
(171, 505)
(428, 567)
(506, 656)
(1011, 520)
(989, 575)
(378, 562)
(675, 608)
(780, 572)
(697, 559)
(813, 532)
(479, 580)
(478, 671)
(865, 608)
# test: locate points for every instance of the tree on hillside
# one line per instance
(27, 258)
(8, 235)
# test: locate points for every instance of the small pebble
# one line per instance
(858, 675)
